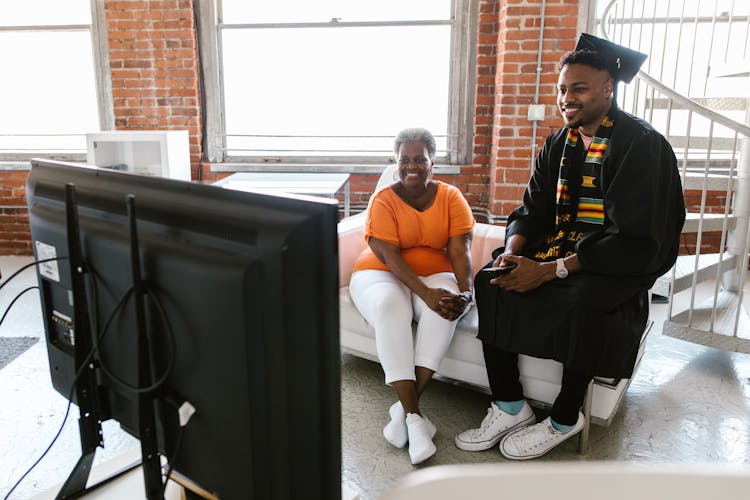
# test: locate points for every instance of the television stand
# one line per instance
(91, 408)
(119, 478)
(129, 484)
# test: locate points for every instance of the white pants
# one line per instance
(390, 307)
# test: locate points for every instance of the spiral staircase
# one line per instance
(695, 89)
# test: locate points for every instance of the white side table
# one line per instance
(309, 183)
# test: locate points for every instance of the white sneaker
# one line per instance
(536, 440)
(395, 431)
(421, 446)
(495, 425)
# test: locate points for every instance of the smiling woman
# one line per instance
(416, 268)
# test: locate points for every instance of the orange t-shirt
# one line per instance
(422, 236)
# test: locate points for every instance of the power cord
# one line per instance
(23, 268)
(185, 410)
(83, 366)
(170, 365)
(18, 296)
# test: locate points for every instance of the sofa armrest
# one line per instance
(351, 243)
(486, 239)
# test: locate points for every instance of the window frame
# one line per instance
(103, 84)
(460, 107)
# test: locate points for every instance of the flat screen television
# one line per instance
(239, 309)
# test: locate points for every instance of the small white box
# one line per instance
(536, 112)
(163, 153)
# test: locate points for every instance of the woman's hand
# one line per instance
(527, 276)
(452, 305)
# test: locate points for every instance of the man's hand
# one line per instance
(528, 274)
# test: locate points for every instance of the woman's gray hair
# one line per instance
(419, 135)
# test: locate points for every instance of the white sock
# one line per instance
(395, 431)
(421, 446)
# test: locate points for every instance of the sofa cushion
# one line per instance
(465, 348)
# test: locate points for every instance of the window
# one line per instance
(331, 82)
(48, 92)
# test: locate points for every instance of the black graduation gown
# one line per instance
(592, 321)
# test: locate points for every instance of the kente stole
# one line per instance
(580, 202)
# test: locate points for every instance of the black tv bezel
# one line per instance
(247, 220)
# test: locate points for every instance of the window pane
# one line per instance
(287, 11)
(348, 81)
(44, 12)
(51, 90)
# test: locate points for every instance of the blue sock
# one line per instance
(510, 407)
(561, 427)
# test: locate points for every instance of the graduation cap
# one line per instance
(622, 63)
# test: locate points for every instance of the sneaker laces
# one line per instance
(535, 436)
(486, 423)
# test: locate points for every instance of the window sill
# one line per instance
(23, 166)
(350, 168)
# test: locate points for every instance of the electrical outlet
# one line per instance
(536, 112)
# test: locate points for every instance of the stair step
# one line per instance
(685, 268)
(711, 222)
(694, 142)
(713, 103)
(698, 330)
(713, 181)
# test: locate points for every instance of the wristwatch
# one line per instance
(562, 271)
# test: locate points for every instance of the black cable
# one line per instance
(23, 268)
(7, 310)
(167, 371)
(155, 385)
(98, 338)
(83, 366)
(54, 439)
(171, 460)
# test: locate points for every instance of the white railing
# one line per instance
(694, 88)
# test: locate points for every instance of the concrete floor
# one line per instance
(686, 404)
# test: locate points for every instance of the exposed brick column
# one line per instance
(15, 237)
(515, 78)
(154, 61)
(475, 177)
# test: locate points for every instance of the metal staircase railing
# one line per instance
(690, 42)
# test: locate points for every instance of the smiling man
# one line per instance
(600, 221)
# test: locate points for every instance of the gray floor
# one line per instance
(686, 404)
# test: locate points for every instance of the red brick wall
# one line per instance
(154, 63)
(515, 84)
(15, 238)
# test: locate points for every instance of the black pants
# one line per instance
(503, 374)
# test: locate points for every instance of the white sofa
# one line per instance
(464, 361)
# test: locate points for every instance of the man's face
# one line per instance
(584, 95)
